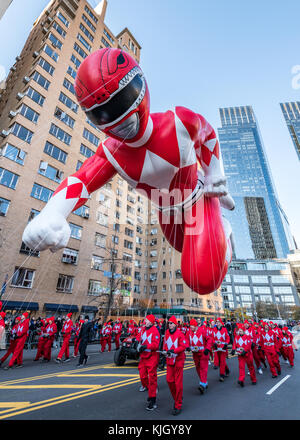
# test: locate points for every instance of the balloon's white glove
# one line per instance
(47, 231)
(216, 186)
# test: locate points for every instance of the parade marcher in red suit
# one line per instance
(66, 332)
(2, 331)
(256, 349)
(221, 341)
(242, 345)
(117, 330)
(50, 332)
(213, 355)
(132, 330)
(21, 336)
(42, 340)
(175, 343)
(270, 346)
(12, 341)
(287, 346)
(158, 154)
(149, 340)
(200, 345)
(105, 338)
(76, 339)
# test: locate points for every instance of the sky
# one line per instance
(205, 55)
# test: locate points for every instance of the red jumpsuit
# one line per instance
(105, 338)
(41, 342)
(50, 331)
(240, 344)
(213, 356)
(76, 339)
(12, 343)
(149, 358)
(287, 347)
(66, 332)
(132, 330)
(178, 342)
(117, 330)
(221, 340)
(270, 346)
(21, 335)
(201, 341)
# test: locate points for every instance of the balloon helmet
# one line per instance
(111, 89)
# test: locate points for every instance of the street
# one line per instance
(102, 391)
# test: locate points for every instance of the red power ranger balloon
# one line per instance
(159, 154)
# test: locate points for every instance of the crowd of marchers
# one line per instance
(257, 345)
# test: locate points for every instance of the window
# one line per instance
(241, 278)
(65, 283)
(91, 137)
(86, 32)
(128, 244)
(72, 72)
(97, 262)
(27, 251)
(35, 96)
(137, 288)
(92, 125)
(9, 179)
(59, 29)
(153, 231)
(138, 251)
(246, 298)
(263, 290)
(266, 298)
(70, 256)
(13, 153)
(153, 253)
(102, 219)
(63, 19)
(29, 113)
(283, 290)
(117, 227)
(64, 117)
(23, 278)
(288, 299)
(280, 279)
(41, 192)
(153, 290)
(33, 213)
(130, 209)
(242, 289)
(87, 21)
(95, 288)
(108, 36)
(259, 279)
(118, 203)
(256, 266)
(84, 42)
(22, 132)
(60, 134)
(41, 80)
(179, 288)
(55, 41)
(153, 265)
(55, 152)
(75, 60)
(76, 231)
(46, 66)
(272, 265)
(83, 211)
(115, 239)
(89, 12)
(4, 205)
(79, 165)
(127, 257)
(106, 43)
(68, 85)
(50, 172)
(51, 53)
(178, 274)
(86, 151)
(80, 51)
(68, 102)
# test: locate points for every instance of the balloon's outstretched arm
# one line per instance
(50, 230)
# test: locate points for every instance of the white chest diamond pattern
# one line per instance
(240, 341)
(144, 338)
(171, 344)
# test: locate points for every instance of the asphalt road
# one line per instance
(102, 391)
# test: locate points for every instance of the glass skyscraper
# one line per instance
(260, 227)
(291, 113)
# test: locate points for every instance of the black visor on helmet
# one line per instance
(118, 104)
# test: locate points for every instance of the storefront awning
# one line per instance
(19, 305)
(157, 311)
(89, 309)
(61, 308)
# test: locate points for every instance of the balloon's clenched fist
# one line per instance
(47, 232)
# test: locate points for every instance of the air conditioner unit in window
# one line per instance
(12, 114)
(43, 166)
(85, 215)
(5, 133)
(53, 44)
(21, 154)
(49, 19)
(35, 54)
(20, 96)
(47, 12)
(44, 30)
(26, 79)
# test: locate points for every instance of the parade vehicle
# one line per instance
(129, 350)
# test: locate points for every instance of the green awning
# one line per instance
(157, 311)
